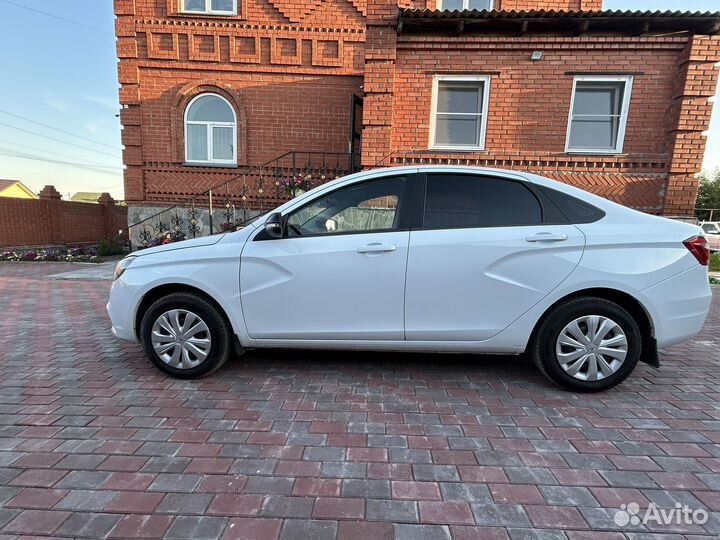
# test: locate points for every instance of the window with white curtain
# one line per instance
(598, 114)
(210, 131)
(459, 115)
(215, 7)
(460, 5)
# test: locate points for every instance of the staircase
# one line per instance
(236, 202)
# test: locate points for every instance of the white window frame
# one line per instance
(466, 4)
(208, 9)
(624, 110)
(437, 79)
(209, 127)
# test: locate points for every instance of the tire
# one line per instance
(189, 363)
(587, 312)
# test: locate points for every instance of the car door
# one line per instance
(338, 272)
(487, 249)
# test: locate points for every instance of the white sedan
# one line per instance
(711, 230)
(426, 259)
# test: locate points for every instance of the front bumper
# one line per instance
(121, 308)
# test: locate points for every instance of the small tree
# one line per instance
(709, 194)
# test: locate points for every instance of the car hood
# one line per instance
(184, 244)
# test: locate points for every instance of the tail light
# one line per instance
(698, 246)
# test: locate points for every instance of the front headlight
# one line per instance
(121, 266)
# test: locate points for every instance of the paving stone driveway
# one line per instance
(96, 443)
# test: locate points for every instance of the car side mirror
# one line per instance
(274, 225)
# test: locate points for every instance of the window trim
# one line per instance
(437, 79)
(624, 113)
(208, 9)
(209, 127)
(465, 7)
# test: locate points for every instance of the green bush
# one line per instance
(715, 262)
(110, 247)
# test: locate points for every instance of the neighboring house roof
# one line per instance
(15, 188)
(637, 22)
(85, 196)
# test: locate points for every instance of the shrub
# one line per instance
(110, 247)
(715, 262)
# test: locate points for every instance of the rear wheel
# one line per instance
(587, 345)
(185, 335)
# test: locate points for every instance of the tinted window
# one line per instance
(575, 210)
(552, 215)
(455, 201)
(366, 207)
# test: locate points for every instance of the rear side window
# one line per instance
(575, 210)
(458, 201)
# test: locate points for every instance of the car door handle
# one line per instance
(376, 248)
(547, 237)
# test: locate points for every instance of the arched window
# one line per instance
(210, 131)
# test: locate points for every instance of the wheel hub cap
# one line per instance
(591, 348)
(181, 339)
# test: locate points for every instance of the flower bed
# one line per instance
(87, 253)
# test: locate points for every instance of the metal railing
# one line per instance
(239, 200)
(707, 214)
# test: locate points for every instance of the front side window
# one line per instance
(456, 201)
(372, 206)
(459, 115)
(210, 131)
(217, 7)
(598, 114)
(459, 5)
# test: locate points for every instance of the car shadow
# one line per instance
(466, 370)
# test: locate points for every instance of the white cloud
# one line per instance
(55, 102)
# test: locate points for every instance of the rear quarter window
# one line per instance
(575, 210)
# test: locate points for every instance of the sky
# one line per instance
(59, 93)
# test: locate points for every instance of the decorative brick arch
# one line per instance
(186, 94)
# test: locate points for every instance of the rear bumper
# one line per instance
(679, 305)
(121, 309)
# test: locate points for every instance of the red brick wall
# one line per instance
(289, 69)
(50, 221)
(296, 102)
(530, 101)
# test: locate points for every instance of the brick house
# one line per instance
(613, 102)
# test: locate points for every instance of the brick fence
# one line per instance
(51, 221)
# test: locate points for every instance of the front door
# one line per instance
(338, 273)
(485, 254)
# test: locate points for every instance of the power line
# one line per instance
(35, 148)
(91, 168)
(58, 17)
(15, 153)
(26, 119)
(35, 133)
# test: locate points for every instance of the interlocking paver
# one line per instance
(95, 442)
(85, 500)
(252, 529)
(89, 525)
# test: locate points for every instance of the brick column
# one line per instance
(107, 203)
(51, 200)
(380, 55)
(691, 110)
(129, 78)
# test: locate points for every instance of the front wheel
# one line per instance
(587, 345)
(185, 335)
